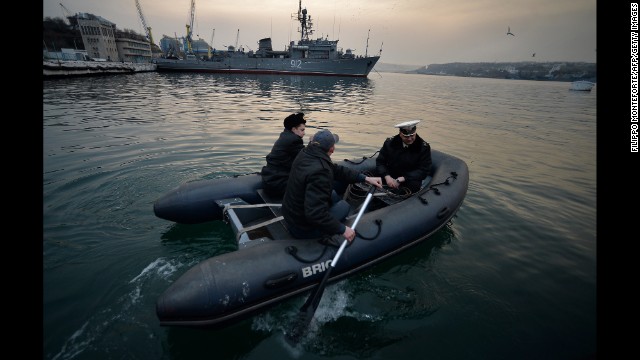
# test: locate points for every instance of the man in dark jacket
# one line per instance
(284, 150)
(404, 159)
(308, 207)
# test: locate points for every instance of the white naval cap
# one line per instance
(407, 124)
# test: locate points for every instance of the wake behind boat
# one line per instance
(308, 57)
(270, 265)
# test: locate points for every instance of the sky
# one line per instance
(403, 32)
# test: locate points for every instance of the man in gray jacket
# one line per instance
(308, 207)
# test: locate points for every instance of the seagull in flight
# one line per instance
(534, 54)
(509, 31)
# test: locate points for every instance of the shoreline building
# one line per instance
(104, 42)
(133, 48)
(98, 36)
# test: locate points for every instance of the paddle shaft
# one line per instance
(308, 310)
(355, 223)
(314, 299)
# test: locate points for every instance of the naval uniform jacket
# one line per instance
(307, 199)
(279, 160)
(412, 162)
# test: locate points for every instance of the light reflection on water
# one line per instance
(517, 261)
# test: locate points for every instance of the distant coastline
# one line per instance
(543, 71)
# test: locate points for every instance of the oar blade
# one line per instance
(299, 329)
(310, 306)
(307, 312)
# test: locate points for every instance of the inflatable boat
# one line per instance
(270, 265)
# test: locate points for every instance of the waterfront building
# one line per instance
(132, 48)
(98, 36)
(200, 48)
(170, 45)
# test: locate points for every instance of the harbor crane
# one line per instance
(67, 13)
(147, 29)
(211, 44)
(70, 17)
(192, 11)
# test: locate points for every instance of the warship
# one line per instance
(308, 56)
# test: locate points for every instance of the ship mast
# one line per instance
(305, 25)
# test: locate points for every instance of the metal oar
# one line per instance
(309, 308)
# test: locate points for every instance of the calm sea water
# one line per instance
(513, 276)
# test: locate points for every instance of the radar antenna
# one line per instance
(306, 25)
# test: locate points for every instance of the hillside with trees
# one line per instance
(58, 34)
(555, 71)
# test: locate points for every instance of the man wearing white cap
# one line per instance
(404, 159)
(308, 208)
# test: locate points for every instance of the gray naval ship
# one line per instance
(308, 57)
